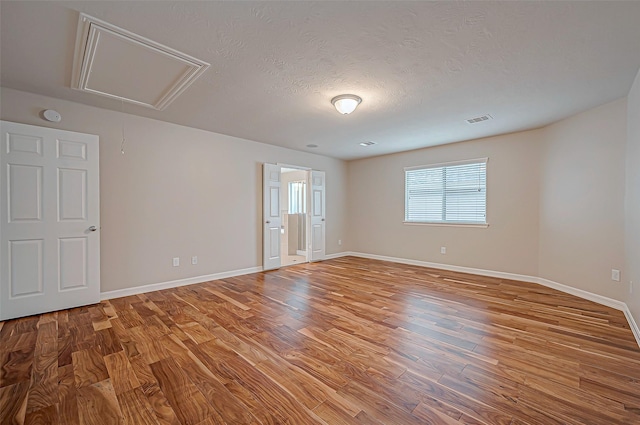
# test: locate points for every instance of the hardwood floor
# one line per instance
(345, 341)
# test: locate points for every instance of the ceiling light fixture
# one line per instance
(346, 103)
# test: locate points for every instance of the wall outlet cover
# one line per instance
(615, 275)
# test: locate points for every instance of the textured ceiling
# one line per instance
(421, 68)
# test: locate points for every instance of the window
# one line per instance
(453, 193)
(298, 197)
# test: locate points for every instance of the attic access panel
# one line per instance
(113, 62)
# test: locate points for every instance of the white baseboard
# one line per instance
(337, 255)
(609, 302)
(632, 323)
(471, 270)
(189, 281)
(175, 283)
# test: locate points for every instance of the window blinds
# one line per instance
(455, 193)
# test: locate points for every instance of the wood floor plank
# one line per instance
(136, 409)
(187, 401)
(15, 366)
(67, 396)
(45, 416)
(344, 341)
(98, 404)
(165, 415)
(13, 403)
(89, 367)
(227, 406)
(123, 377)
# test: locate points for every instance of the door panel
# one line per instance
(49, 257)
(318, 213)
(25, 192)
(25, 267)
(72, 150)
(272, 218)
(73, 262)
(19, 143)
(72, 192)
(274, 235)
(274, 202)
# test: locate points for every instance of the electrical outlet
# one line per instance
(176, 261)
(339, 241)
(194, 260)
(443, 250)
(615, 275)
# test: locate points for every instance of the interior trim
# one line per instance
(175, 283)
(88, 38)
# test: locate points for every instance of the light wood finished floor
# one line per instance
(345, 341)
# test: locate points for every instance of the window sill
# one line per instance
(429, 223)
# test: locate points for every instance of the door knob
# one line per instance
(267, 222)
(323, 219)
(93, 228)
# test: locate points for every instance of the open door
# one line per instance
(271, 217)
(318, 211)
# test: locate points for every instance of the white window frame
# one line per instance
(447, 222)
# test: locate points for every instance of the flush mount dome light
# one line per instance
(346, 103)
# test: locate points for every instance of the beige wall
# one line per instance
(509, 244)
(582, 200)
(555, 204)
(177, 192)
(632, 200)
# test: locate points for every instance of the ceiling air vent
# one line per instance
(113, 62)
(367, 143)
(479, 119)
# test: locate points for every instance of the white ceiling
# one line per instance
(421, 68)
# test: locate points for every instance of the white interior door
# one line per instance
(318, 215)
(271, 216)
(49, 243)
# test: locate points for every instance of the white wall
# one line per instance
(632, 200)
(582, 200)
(509, 244)
(177, 192)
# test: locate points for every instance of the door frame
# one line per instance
(309, 204)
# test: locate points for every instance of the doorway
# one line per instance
(294, 229)
(308, 191)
